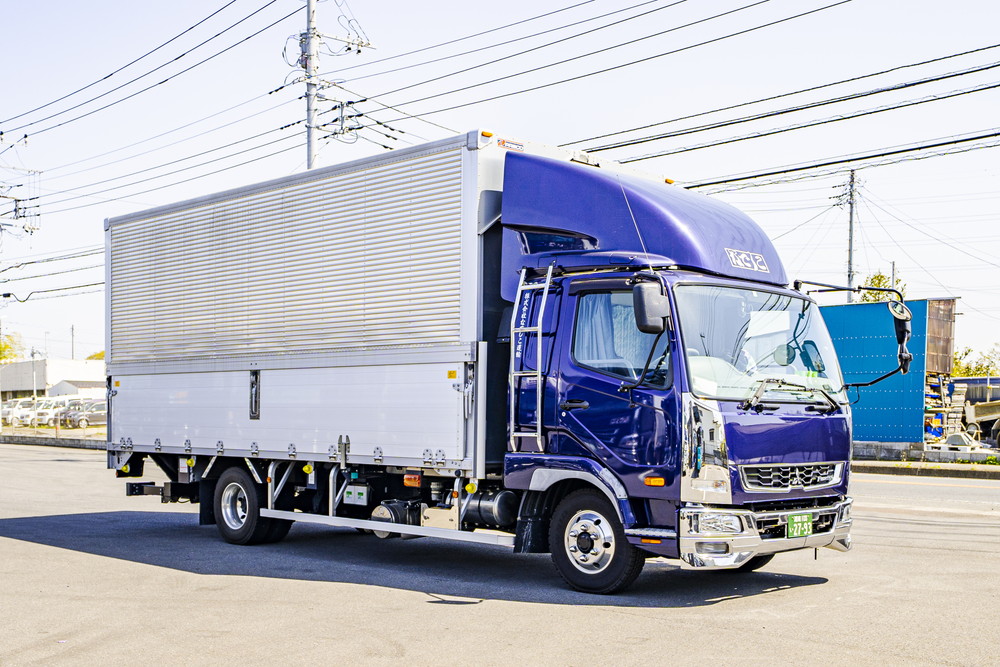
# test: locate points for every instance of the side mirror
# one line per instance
(901, 320)
(811, 357)
(651, 307)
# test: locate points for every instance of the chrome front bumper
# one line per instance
(759, 533)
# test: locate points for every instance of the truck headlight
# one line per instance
(717, 523)
(845, 513)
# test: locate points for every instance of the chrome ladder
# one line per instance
(516, 369)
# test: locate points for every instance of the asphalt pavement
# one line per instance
(88, 575)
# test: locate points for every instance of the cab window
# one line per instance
(606, 339)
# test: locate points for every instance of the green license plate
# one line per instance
(799, 525)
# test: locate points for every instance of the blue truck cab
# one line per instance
(663, 377)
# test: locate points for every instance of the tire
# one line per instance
(51, 423)
(754, 563)
(581, 517)
(83, 423)
(237, 511)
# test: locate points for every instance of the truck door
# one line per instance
(599, 415)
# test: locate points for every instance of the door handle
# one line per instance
(574, 404)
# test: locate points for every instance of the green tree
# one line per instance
(981, 365)
(11, 347)
(879, 279)
(97, 355)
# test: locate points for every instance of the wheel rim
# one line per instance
(234, 506)
(590, 542)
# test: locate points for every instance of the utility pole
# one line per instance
(309, 61)
(310, 42)
(34, 381)
(850, 236)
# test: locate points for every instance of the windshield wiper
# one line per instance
(780, 383)
(754, 399)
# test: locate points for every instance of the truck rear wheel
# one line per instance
(589, 547)
(237, 511)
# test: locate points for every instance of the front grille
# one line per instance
(790, 504)
(773, 527)
(786, 477)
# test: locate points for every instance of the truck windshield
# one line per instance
(736, 340)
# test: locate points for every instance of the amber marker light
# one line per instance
(411, 480)
(654, 481)
(649, 540)
(487, 134)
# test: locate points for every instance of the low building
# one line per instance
(52, 377)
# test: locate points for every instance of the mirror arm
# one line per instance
(797, 285)
(868, 384)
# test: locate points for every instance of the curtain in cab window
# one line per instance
(606, 337)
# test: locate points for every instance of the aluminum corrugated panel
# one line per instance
(365, 259)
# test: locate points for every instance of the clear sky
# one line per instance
(107, 136)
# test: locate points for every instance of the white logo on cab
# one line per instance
(743, 259)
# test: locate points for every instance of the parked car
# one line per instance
(74, 405)
(95, 413)
(22, 412)
(47, 412)
(8, 408)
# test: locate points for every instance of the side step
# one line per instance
(401, 528)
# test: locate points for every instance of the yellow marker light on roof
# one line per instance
(668, 181)
(487, 134)
(654, 481)
(307, 469)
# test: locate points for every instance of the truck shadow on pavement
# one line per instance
(448, 572)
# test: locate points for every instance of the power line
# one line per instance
(816, 123)
(169, 78)
(226, 125)
(167, 164)
(623, 65)
(552, 43)
(392, 108)
(56, 258)
(123, 67)
(52, 273)
(782, 95)
(8, 295)
(462, 39)
(495, 45)
(826, 209)
(186, 180)
(63, 296)
(934, 237)
(849, 160)
(591, 53)
(794, 109)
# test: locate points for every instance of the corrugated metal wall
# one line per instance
(350, 261)
(863, 334)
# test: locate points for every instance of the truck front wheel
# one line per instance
(237, 511)
(589, 547)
